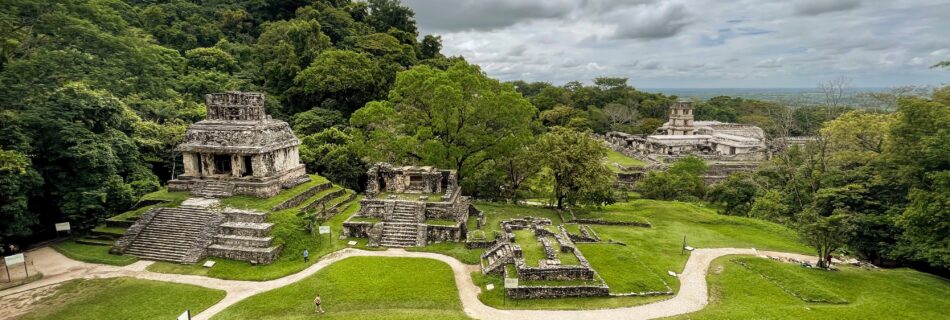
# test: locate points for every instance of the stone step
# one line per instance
(246, 229)
(231, 240)
(255, 255)
(234, 215)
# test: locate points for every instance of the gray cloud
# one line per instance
(816, 7)
(652, 21)
(440, 15)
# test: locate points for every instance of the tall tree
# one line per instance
(456, 119)
(578, 171)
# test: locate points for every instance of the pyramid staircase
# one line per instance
(177, 235)
(213, 189)
(245, 235)
(402, 229)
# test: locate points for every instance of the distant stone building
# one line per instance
(681, 136)
(238, 149)
(410, 206)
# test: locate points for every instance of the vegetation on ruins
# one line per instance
(577, 172)
(682, 181)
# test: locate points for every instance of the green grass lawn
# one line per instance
(288, 229)
(738, 292)
(362, 288)
(614, 157)
(531, 248)
(123, 298)
(92, 253)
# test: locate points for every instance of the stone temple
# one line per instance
(410, 206)
(238, 149)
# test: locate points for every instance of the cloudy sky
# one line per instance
(697, 43)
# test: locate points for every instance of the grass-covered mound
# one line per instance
(123, 298)
(739, 292)
(362, 288)
(615, 158)
(92, 253)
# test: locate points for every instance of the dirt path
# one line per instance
(692, 296)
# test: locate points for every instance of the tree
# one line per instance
(331, 154)
(736, 194)
(385, 14)
(835, 91)
(456, 119)
(316, 120)
(286, 47)
(430, 47)
(682, 181)
(18, 181)
(825, 234)
(577, 168)
(942, 64)
(337, 80)
(620, 115)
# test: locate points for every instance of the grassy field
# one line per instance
(615, 158)
(92, 253)
(738, 292)
(172, 199)
(362, 288)
(642, 263)
(123, 298)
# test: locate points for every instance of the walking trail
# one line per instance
(692, 295)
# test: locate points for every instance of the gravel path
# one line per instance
(692, 296)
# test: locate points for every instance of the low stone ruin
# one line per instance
(410, 206)
(507, 251)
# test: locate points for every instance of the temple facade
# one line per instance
(238, 149)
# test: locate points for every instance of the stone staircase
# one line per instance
(495, 258)
(175, 234)
(404, 212)
(400, 234)
(213, 189)
(245, 235)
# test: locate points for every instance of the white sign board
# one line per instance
(14, 259)
(324, 229)
(185, 316)
(62, 226)
(209, 264)
(490, 286)
(511, 283)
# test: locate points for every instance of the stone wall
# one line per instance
(540, 292)
(317, 204)
(356, 229)
(554, 272)
(444, 233)
(258, 257)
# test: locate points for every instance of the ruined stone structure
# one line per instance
(410, 206)
(507, 251)
(681, 136)
(238, 149)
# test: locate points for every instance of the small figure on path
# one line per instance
(316, 303)
(306, 255)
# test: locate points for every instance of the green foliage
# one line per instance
(682, 181)
(18, 180)
(211, 59)
(332, 154)
(736, 194)
(578, 172)
(456, 119)
(316, 120)
(337, 80)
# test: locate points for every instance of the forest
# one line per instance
(97, 93)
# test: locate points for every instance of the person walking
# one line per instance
(316, 304)
(306, 255)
